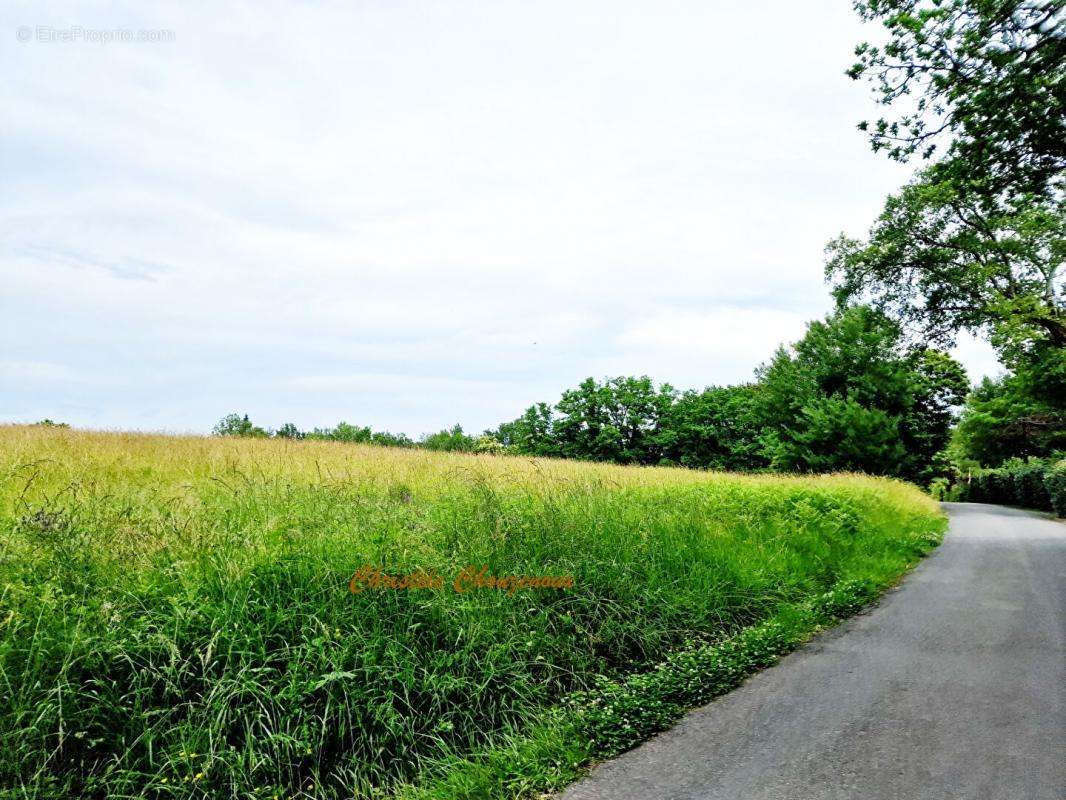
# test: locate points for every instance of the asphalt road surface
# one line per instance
(953, 687)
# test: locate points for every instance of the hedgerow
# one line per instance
(1036, 483)
(1055, 483)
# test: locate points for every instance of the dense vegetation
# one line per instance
(976, 82)
(175, 618)
(848, 396)
(449, 440)
(976, 240)
(852, 394)
(1034, 483)
(1022, 414)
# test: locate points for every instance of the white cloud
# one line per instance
(36, 372)
(680, 347)
(978, 356)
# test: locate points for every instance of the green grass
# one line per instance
(175, 619)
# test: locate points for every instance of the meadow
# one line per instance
(176, 617)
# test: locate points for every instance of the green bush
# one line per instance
(1031, 484)
(941, 489)
(981, 488)
(959, 492)
(237, 425)
(1055, 483)
(1000, 487)
(1029, 488)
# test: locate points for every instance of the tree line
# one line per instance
(449, 439)
(850, 395)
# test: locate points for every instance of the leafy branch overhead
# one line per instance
(976, 241)
(942, 263)
(985, 75)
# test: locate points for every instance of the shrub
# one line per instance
(979, 491)
(289, 431)
(940, 488)
(1031, 484)
(346, 432)
(453, 440)
(1029, 488)
(1055, 483)
(489, 444)
(944, 490)
(999, 486)
(237, 425)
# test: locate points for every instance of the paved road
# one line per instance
(953, 687)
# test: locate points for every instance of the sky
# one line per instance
(414, 214)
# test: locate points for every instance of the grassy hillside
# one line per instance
(176, 620)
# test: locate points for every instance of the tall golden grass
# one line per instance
(175, 619)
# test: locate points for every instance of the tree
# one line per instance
(618, 420)
(531, 434)
(346, 432)
(489, 445)
(716, 428)
(975, 242)
(237, 425)
(838, 433)
(939, 263)
(623, 420)
(289, 431)
(453, 440)
(387, 439)
(1019, 415)
(987, 76)
(941, 386)
(360, 434)
(851, 396)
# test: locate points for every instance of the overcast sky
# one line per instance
(408, 215)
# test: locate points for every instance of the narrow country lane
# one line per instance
(954, 687)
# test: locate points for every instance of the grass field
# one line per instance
(176, 620)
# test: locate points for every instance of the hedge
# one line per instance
(1036, 483)
(1055, 483)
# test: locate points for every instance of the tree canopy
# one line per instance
(940, 263)
(850, 395)
(1018, 415)
(980, 81)
(976, 240)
